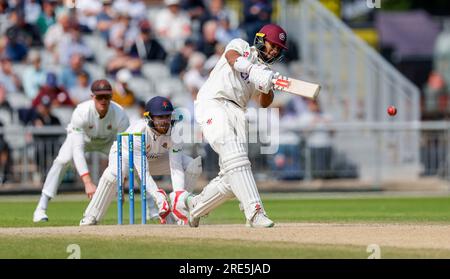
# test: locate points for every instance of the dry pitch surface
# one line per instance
(393, 235)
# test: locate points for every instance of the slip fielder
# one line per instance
(93, 127)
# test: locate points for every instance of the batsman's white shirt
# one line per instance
(224, 82)
(163, 156)
(89, 132)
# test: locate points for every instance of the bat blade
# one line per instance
(298, 87)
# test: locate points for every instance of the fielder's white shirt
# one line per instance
(158, 147)
(225, 82)
(92, 133)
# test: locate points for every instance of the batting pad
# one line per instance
(213, 195)
(239, 175)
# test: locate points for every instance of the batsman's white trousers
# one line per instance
(225, 128)
(63, 161)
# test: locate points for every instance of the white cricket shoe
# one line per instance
(193, 222)
(260, 220)
(40, 216)
(88, 221)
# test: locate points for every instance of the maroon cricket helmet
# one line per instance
(274, 34)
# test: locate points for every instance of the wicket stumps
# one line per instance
(131, 177)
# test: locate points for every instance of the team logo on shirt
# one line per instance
(109, 127)
(91, 127)
(246, 54)
(164, 145)
(209, 121)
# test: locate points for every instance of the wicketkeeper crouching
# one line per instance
(164, 157)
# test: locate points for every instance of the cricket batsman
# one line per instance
(93, 127)
(241, 73)
(164, 157)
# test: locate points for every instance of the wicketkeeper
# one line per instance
(93, 127)
(164, 157)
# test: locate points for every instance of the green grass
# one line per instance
(18, 212)
(67, 210)
(156, 247)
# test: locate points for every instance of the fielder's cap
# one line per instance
(124, 75)
(101, 86)
(158, 106)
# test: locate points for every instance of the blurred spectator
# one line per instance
(46, 145)
(145, 46)
(437, 89)
(82, 91)
(105, 19)
(122, 94)
(58, 95)
(32, 11)
(136, 114)
(5, 158)
(216, 10)
(47, 17)
(34, 75)
(224, 32)
(180, 60)
(122, 60)
(135, 8)
(4, 104)
(70, 73)
(73, 44)
(43, 115)
(87, 11)
(318, 139)
(8, 78)
(122, 33)
(294, 109)
(3, 16)
(172, 25)
(213, 59)
(195, 77)
(207, 43)
(257, 13)
(22, 32)
(194, 8)
(12, 49)
(56, 33)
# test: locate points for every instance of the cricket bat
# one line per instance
(298, 87)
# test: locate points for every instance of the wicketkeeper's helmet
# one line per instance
(158, 106)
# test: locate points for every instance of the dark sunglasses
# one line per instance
(103, 97)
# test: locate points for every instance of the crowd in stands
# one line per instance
(50, 52)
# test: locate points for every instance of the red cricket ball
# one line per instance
(392, 110)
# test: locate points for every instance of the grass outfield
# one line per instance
(67, 210)
(17, 212)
